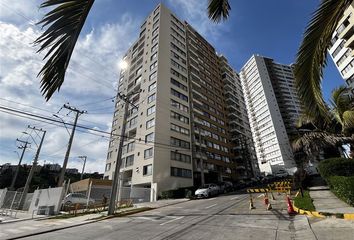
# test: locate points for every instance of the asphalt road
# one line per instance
(224, 217)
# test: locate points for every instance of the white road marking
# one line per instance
(233, 198)
(65, 221)
(3, 234)
(172, 220)
(14, 230)
(145, 218)
(210, 206)
(28, 228)
(210, 199)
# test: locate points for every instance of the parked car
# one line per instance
(282, 173)
(224, 187)
(207, 190)
(74, 198)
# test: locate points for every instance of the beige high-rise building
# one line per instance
(181, 127)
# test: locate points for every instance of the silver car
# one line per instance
(207, 190)
(77, 198)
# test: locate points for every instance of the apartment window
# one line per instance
(176, 156)
(348, 67)
(153, 66)
(130, 146)
(150, 123)
(109, 154)
(338, 49)
(150, 110)
(179, 129)
(181, 172)
(155, 31)
(179, 75)
(179, 106)
(178, 84)
(147, 170)
(152, 76)
(108, 167)
(154, 48)
(152, 98)
(132, 122)
(179, 143)
(152, 87)
(153, 56)
(155, 39)
(138, 71)
(148, 153)
(179, 95)
(179, 117)
(149, 138)
(129, 161)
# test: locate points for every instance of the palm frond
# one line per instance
(64, 24)
(312, 56)
(319, 139)
(348, 122)
(218, 10)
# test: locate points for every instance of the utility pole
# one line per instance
(63, 169)
(12, 187)
(125, 98)
(83, 167)
(33, 168)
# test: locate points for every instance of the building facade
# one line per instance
(273, 109)
(341, 47)
(241, 135)
(178, 127)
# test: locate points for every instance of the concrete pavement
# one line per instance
(224, 217)
(325, 201)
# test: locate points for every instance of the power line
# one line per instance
(162, 145)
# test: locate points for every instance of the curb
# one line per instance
(122, 214)
(346, 216)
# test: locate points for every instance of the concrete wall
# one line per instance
(47, 197)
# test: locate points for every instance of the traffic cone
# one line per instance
(251, 204)
(267, 203)
(291, 210)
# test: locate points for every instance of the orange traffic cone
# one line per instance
(251, 204)
(267, 203)
(291, 210)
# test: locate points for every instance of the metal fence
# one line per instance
(12, 200)
(96, 195)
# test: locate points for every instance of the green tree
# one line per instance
(315, 134)
(312, 57)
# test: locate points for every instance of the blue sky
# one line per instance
(272, 28)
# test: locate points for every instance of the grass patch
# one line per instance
(304, 202)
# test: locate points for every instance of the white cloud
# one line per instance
(195, 13)
(90, 78)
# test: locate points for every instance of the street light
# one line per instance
(54, 115)
(34, 141)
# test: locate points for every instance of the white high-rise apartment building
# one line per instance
(273, 108)
(341, 46)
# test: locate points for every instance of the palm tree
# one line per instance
(338, 131)
(312, 56)
(64, 23)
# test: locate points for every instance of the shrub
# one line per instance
(336, 167)
(343, 188)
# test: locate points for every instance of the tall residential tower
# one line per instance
(180, 132)
(273, 109)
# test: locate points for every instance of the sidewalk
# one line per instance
(31, 227)
(325, 201)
